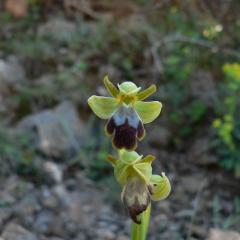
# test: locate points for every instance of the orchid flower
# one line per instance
(139, 185)
(126, 112)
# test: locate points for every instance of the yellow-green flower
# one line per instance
(126, 112)
(134, 173)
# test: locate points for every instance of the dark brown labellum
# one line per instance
(126, 128)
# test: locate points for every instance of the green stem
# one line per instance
(139, 231)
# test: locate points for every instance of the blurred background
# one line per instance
(54, 181)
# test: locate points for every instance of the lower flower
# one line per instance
(140, 186)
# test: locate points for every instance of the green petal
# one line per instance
(147, 159)
(103, 107)
(148, 111)
(144, 170)
(146, 93)
(161, 187)
(110, 87)
(128, 88)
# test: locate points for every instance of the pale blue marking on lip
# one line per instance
(120, 116)
(126, 112)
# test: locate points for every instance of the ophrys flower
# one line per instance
(126, 112)
(134, 173)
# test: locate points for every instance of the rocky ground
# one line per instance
(74, 208)
(71, 210)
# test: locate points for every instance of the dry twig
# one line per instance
(202, 43)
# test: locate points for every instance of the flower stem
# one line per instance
(139, 231)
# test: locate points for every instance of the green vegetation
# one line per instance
(228, 125)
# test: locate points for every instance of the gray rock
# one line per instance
(5, 214)
(57, 228)
(56, 132)
(105, 234)
(27, 207)
(54, 238)
(11, 72)
(122, 237)
(82, 211)
(44, 222)
(62, 194)
(14, 187)
(81, 236)
(71, 227)
(49, 199)
(50, 238)
(14, 231)
(108, 225)
(218, 234)
(11, 75)
(52, 172)
(6, 198)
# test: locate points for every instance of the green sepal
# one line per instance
(148, 111)
(143, 167)
(103, 107)
(123, 168)
(132, 164)
(122, 172)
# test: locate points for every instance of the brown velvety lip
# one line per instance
(125, 135)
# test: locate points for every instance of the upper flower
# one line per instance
(126, 112)
(134, 173)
